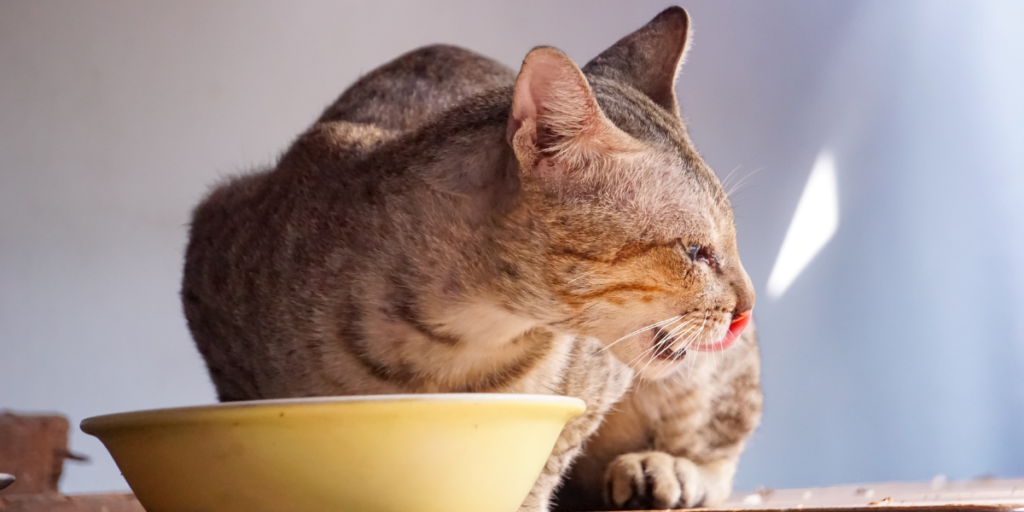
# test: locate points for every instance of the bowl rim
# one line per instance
(194, 413)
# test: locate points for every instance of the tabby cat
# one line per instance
(447, 226)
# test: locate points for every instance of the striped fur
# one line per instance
(446, 226)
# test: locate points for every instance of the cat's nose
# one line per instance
(744, 290)
(744, 303)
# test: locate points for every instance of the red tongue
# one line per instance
(735, 329)
(737, 326)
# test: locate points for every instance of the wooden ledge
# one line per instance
(53, 502)
(986, 495)
(938, 495)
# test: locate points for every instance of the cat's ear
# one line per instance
(649, 58)
(554, 113)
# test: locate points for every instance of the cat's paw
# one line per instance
(657, 480)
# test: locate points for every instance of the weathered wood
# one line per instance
(78, 503)
(32, 448)
(971, 496)
(986, 494)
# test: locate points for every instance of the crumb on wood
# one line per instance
(884, 501)
(864, 491)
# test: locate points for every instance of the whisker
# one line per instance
(581, 276)
(574, 316)
(679, 376)
(693, 362)
(638, 331)
(691, 339)
(726, 180)
(665, 346)
(714, 359)
(637, 374)
(641, 355)
(653, 357)
(680, 335)
(671, 334)
(701, 328)
(740, 182)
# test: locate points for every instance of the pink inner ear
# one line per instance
(553, 103)
(550, 82)
(552, 91)
(523, 104)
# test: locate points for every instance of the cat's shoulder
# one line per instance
(405, 93)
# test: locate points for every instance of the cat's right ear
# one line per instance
(649, 58)
(555, 115)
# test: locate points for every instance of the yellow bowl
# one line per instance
(388, 453)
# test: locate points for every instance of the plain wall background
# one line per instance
(897, 354)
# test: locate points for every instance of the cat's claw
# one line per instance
(657, 480)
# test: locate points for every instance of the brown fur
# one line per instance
(440, 229)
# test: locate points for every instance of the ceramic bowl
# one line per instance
(388, 453)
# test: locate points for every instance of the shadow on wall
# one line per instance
(896, 352)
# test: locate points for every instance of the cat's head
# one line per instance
(642, 242)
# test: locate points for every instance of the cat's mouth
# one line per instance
(660, 337)
(736, 328)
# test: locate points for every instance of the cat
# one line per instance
(450, 226)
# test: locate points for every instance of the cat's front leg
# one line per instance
(567, 448)
(595, 376)
(658, 480)
(697, 428)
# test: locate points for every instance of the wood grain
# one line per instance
(33, 449)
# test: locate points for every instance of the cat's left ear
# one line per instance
(555, 115)
(649, 58)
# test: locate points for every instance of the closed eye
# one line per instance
(698, 253)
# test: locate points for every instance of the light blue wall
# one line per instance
(895, 355)
(899, 352)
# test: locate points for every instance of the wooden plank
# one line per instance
(77, 503)
(972, 496)
(938, 495)
(32, 448)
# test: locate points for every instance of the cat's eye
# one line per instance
(698, 253)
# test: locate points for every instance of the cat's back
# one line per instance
(411, 89)
(259, 242)
(343, 148)
(390, 101)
